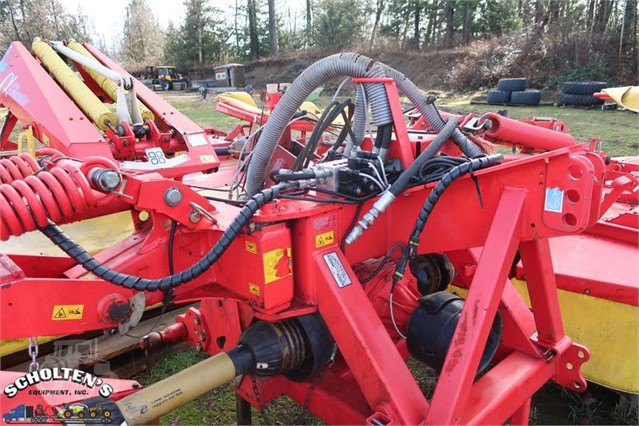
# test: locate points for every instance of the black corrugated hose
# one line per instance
(447, 179)
(88, 262)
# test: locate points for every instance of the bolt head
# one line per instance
(109, 180)
(172, 196)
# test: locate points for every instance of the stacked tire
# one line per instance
(513, 91)
(581, 93)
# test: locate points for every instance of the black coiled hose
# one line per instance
(88, 262)
(447, 179)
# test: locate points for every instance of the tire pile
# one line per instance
(513, 91)
(581, 93)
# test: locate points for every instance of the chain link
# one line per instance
(33, 350)
(260, 406)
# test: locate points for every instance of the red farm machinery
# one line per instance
(320, 263)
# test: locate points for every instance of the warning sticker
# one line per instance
(277, 264)
(337, 269)
(254, 289)
(251, 247)
(554, 200)
(324, 239)
(67, 312)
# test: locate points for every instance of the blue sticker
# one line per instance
(554, 200)
(3, 62)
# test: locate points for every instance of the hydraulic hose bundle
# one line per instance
(402, 181)
(343, 64)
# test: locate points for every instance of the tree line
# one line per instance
(252, 29)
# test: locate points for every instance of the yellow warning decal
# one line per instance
(324, 239)
(254, 289)
(251, 247)
(207, 159)
(67, 312)
(277, 264)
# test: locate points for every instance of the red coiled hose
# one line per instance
(61, 192)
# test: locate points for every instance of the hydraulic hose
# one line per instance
(447, 180)
(359, 122)
(343, 64)
(88, 262)
(429, 204)
(402, 182)
(110, 87)
(411, 91)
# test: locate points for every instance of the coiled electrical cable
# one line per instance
(88, 262)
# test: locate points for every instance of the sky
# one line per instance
(108, 16)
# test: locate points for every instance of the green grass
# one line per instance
(201, 111)
(618, 130)
(218, 406)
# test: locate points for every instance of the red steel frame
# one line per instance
(369, 379)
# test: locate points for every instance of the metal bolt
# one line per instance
(196, 320)
(198, 347)
(194, 217)
(105, 179)
(202, 336)
(172, 196)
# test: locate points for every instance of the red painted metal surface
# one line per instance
(283, 265)
(532, 137)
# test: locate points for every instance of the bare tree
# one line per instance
(253, 40)
(416, 21)
(378, 15)
(466, 27)
(12, 15)
(308, 31)
(432, 23)
(628, 32)
(272, 28)
(143, 41)
(450, 23)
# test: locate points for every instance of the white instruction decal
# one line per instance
(156, 160)
(337, 269)
(554, 200)
(197, 140)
